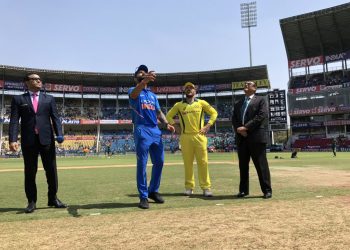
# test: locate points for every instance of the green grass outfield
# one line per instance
(99, 185)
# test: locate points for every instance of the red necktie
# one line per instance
(35, 101)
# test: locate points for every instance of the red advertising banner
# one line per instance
(90, 89)
(124, 121)
(316, 88)
(83, 121)
(108, 90)
(337, 123)
(167, 89)
(226, 86)
(313, 111)
(63, 87)
(123, 89)
(338, 57)
(305, 62)
(331, 88)
(1, 83)
(104, 90)
(306, 89)
(107, 121)
(344, 108)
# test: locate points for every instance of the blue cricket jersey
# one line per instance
(144, 107)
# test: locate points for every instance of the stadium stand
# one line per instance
(95, 111)
(318, 51)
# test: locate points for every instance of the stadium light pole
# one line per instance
(2, 110)
(248, 20)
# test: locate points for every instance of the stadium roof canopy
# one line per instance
(323, 32)
(124, 79)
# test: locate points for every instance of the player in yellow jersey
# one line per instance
(193, 138)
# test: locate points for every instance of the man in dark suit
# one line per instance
(39, 117)
(250, 125)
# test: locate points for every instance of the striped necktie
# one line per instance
(244, 108)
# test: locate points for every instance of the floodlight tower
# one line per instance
(249, 19)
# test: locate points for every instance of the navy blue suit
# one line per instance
(254, 144)
(47, 122)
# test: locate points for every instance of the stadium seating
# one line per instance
(320, 144)
(332, 78)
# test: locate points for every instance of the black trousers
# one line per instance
(257, 152)
(48, 158)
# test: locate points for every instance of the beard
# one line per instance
(140, 78)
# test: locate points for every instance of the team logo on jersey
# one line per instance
(149, 105)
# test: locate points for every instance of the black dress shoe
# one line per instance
(143, 203)
(30, 208)
(267, 195)
(156, 197)
(242, 194)
(57, 204)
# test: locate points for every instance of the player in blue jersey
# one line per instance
(148, 137)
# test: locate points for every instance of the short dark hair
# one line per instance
(27, 78)
(251, 83)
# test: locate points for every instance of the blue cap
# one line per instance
(141, 67)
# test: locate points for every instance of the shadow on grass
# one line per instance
(73, 209)
(19, 210)
(162, 194)
(223, 197)
(200, 196)
(12, 209)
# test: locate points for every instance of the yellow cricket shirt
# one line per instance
(191, 116)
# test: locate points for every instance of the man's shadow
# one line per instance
(224, 197)
(162, 194)
(73, 209)
(200, 196)
(19, 210)
(12, 209)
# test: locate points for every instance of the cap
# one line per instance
(189, 84)
(141, 67)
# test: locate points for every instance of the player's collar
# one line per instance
(185, 101)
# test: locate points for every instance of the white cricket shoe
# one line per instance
(207, 193)
(188, 192)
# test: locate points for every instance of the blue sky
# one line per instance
(168, 36)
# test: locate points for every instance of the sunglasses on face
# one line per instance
(34, 79)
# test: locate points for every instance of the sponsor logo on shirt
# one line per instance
(190, 111)
(148, 106)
